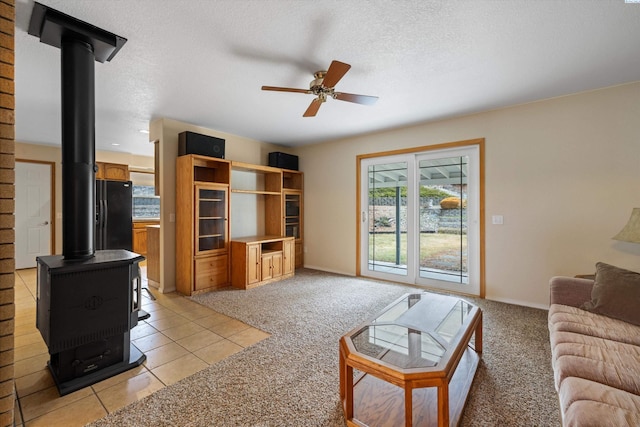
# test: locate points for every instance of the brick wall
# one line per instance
(7, 209)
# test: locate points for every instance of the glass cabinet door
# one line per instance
(292, 226)
(211, 218)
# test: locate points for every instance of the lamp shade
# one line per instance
(631, 231)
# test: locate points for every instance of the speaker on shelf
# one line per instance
(205, 145)
(283, 160)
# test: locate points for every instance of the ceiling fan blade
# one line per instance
(336, 71)
(285, 89)
(358, 99)
(313, 108)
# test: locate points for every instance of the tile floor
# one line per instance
(179, 339)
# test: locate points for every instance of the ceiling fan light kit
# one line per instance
(323, 86)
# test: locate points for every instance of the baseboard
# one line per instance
(313, 267)
(503, 300)
(518, 302)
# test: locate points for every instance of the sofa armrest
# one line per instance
(570, 290)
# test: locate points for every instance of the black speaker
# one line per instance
(195, 143)
(283, 160)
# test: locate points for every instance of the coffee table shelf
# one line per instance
(414, 363)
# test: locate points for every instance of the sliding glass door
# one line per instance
(384, 219)
(420, 219)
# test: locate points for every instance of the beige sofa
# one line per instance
(595, 357)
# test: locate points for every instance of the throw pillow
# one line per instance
(615, 293)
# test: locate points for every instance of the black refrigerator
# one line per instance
(113, 215)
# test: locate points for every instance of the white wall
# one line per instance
(564, 172)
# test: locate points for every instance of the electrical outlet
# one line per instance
(497, 219)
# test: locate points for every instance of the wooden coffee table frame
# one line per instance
(438, 376)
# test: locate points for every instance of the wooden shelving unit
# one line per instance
(206, 259)
(202, 223)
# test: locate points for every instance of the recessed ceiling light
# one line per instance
(115, 144)
(144, 131)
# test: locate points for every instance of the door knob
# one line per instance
(44, 223)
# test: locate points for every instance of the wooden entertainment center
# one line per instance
(206, 257)
(259, 260)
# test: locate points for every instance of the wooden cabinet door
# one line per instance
(140, 240)
(271, 265)
(253, 263)
(288, 256)
(266, 267)
(116, 172)
(276, 264)
(211, 219)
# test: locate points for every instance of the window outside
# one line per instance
(146, 205)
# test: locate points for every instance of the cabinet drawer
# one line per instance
(211, 272)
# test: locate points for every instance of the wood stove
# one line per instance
(87, 300)
(85, 312)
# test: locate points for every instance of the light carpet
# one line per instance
(292, 379)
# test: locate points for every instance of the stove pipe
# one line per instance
(78, 149)
(81, 44)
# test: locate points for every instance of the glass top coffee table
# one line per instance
(414, 362)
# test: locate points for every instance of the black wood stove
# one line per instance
(87, 301)
(85, 312)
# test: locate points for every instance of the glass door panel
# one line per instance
(386, 218)
(443, 251)
(211, 214)
(292, 215)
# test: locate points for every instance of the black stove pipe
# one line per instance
(81, 44)
(78, 149)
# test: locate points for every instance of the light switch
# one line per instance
(172, 217)
(497, 219)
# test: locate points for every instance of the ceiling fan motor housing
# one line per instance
(318, 88)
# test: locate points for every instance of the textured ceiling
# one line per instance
(204, 61)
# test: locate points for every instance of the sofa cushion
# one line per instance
(616, 369)
(564, 318)
(588, 413)
(580, 390)
(615, 293)
(560, 340)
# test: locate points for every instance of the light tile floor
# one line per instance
(179, 339)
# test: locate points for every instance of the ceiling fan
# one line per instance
(323, 86)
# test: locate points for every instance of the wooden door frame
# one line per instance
(479, 142)
(52, 205)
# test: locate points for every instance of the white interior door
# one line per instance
(33, 212)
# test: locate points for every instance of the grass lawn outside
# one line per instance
(437, 250)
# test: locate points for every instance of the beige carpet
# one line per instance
(291, 378)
